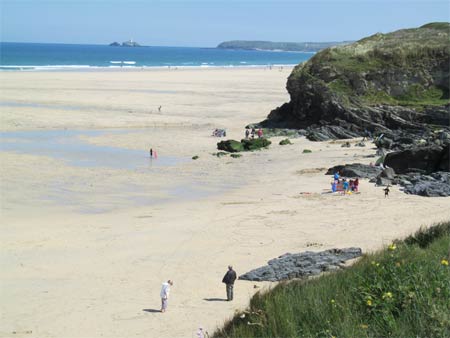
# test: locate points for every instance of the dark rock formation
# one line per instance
(129, 43)
(233, 146)
(303, 264)
(355, 170)
(435, 185)
(429, 159)
(383, 83)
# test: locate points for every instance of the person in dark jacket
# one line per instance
(229, 279)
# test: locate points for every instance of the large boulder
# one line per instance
(302, 264)
(429, 159)
(434, 185)
(355, 170)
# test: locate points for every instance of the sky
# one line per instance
(202, 23)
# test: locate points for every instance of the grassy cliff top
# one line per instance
(406, 67)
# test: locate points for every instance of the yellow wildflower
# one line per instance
(332, 301)
(392, 247)
(369, 302)
(444, 262)
(387, 295)
(364, 326)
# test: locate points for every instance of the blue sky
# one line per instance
(207, 23)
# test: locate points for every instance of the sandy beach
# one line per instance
(85, 248)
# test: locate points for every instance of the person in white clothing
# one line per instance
(165, 290)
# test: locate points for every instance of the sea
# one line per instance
(51, 56)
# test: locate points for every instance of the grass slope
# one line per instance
(393, 69)
(401, 291)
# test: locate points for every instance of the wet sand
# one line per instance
(84, 250)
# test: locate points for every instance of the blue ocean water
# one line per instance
(29, 56)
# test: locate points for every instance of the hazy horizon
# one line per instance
(207, 23)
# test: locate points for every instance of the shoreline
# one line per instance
(86, 68)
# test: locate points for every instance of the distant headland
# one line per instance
(129, 43)
(280, 46)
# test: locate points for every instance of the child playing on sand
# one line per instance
(345, 186)
(386, 191)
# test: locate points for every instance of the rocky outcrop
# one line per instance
(303, 264)
(129, 43)
(386, 82)
(355, 170)
(435, 185)
(427, 159)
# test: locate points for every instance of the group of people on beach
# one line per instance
(251, 134)
(344, 185)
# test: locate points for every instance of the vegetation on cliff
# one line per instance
(233, 146)
(401, 291)
(282, 46)
(385, 81)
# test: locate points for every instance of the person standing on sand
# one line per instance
(260, 133)
(247, 133)
(151, 152)
(165, 290)
(229, 279)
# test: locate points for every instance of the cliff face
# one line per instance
(384, 82)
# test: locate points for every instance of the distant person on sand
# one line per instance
(356, 184)
(165, 290)
(260, 133)
(253, 132)
(247, 133)
(345, 185)
(386, 191)
(229, 279)
(151, 152)
(202, 333)
(159, 108)
(336, 176)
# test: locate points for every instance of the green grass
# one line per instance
(285, 142)
(401, 291)
(306, 151)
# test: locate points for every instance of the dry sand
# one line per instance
(84, 250)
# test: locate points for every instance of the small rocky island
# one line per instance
(129, 43)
